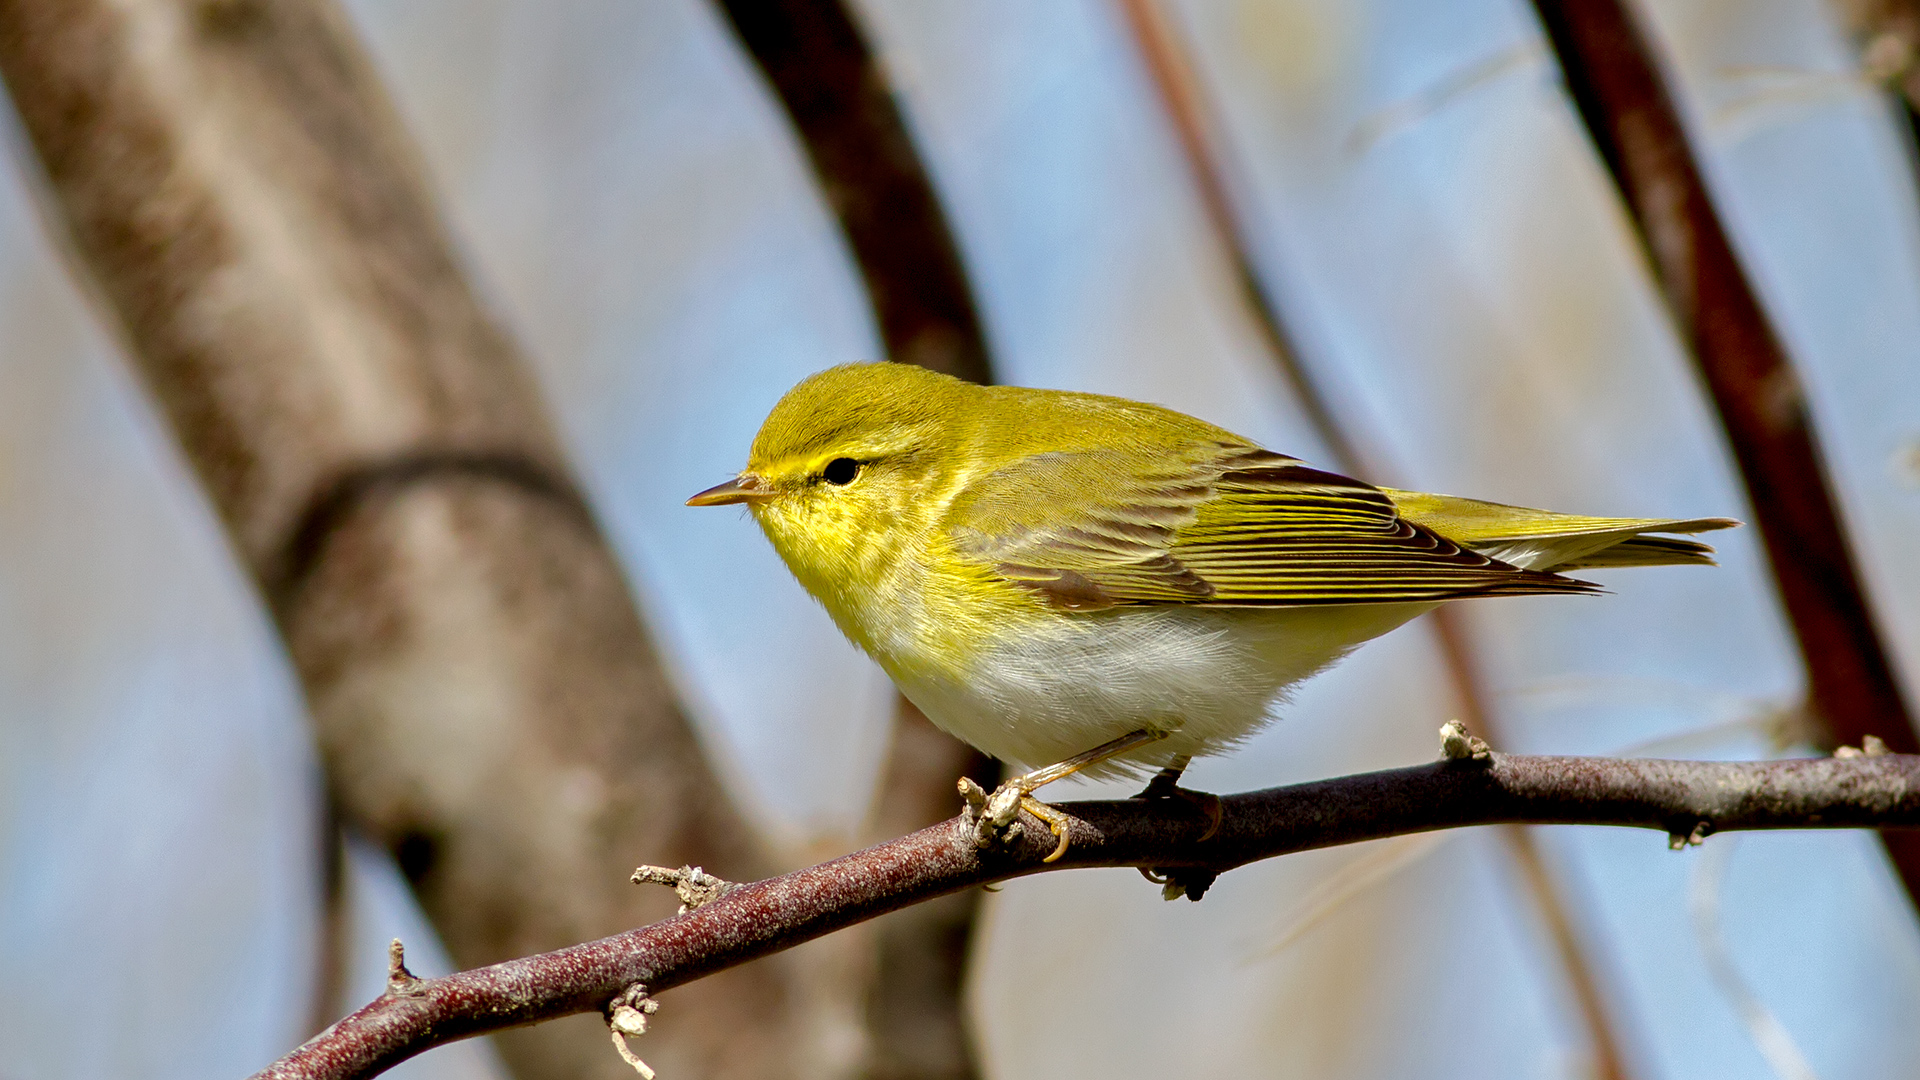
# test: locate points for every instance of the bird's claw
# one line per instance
(1003, 807)
(1191, 882)
(996, 816)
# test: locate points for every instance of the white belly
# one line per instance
(1208, 676)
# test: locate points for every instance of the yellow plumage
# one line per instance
(1043, 571)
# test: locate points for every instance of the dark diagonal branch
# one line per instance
(851, 128)
(1613, 78)
(1685, 799)
(1616, 83)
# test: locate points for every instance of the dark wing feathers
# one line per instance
(1225, 526)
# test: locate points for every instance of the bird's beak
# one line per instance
(745, 488)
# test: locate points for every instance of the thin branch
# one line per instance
(1687, 800)
(1178, 85)
(1602, 1019)
(1769, 1035)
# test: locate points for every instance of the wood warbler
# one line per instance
(1108, 585)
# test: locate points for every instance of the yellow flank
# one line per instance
(991, 546)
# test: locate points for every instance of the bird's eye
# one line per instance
(841, 471)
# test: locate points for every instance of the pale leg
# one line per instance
(1000, 809)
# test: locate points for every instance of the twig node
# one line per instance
(693, 885)
(1678, 841)
(1870, 746)
(627, 1015)
(399, 979)
(1456, 744)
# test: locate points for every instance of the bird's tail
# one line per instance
(1543, 540)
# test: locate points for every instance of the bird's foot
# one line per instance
(1191, 882)
(996, 816)
(1166, 785)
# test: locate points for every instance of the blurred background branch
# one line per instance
(1890, 47)
(842, 106)
(1617, 85)
(1371, 234)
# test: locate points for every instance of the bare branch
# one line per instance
(1687, 800)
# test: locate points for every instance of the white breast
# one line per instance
(1206, 675)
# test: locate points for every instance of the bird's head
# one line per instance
(848, 467)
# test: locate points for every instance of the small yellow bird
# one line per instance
(1107, 585)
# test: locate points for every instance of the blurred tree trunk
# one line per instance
(233, 181)
(915, 1013)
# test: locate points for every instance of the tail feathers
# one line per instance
(1543, 540)
(1644, 551)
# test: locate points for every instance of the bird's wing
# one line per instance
(1221, 525)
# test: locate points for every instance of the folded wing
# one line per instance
(1218, 525)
